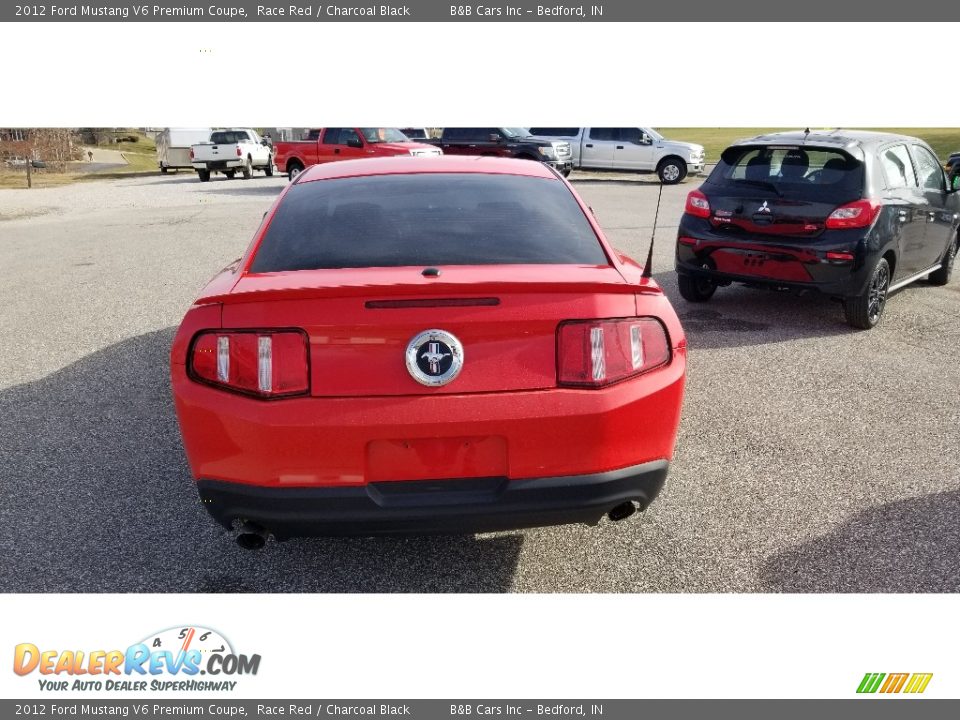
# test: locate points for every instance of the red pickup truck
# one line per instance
(329, 144)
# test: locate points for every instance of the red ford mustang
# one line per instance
(427, 345)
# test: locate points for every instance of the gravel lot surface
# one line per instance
(811, 458)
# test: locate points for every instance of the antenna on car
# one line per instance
(648, 266)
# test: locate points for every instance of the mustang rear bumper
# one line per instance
(433, 506)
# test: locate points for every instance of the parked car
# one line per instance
(228, 151)
(952, 166)
(427, 344)
(21, 162)
(642, 150)
(173, 147)
(328, 144)
(416, 133)
(505, 142)
(851, 214)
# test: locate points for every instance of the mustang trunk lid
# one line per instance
(361, 322)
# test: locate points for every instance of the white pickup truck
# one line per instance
(633, 149)
(228, 151)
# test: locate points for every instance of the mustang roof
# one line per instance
(407, 165)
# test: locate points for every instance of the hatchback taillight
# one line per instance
(697, 204)
(268, 363)
(595, 353)
(858, 214)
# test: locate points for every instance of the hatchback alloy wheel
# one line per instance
(941, 276)
(878, 292)
(865, 310)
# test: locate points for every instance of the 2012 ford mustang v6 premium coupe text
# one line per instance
(427, 345)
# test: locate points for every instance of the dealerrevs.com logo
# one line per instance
(173, 659)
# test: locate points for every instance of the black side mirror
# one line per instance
(354, 142)
(495, 137)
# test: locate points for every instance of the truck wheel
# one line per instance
(230, 174)
(865, 310)
(942, 276)
(293, 169)
(247, 169)
(204, 175)
(671, 170)
(164, 169)
(696, 289)
(566, 173)
(269, 168)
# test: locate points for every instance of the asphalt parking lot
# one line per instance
(811, 457)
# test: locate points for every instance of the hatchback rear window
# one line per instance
(803, 173)
(427, 219)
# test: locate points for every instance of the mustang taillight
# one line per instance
(858, 214)
(697, 204)
(264, 363)
(595, 353)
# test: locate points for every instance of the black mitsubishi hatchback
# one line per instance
(851, 214)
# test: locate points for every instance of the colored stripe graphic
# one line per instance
(870, 682)
(894, 682)
(918, 682)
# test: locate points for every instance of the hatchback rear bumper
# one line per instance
(794, 264)
(433, 506)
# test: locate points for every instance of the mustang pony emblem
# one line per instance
(433, 356)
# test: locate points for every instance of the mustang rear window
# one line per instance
(427, 219)
(797, 172)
